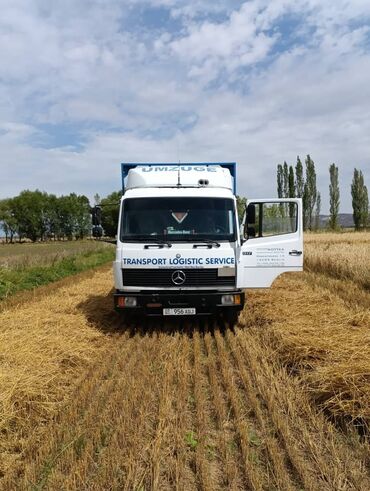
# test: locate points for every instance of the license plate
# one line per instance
(179, 311)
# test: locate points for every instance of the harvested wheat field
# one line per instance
(280, 402)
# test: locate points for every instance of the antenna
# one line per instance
(178, 176)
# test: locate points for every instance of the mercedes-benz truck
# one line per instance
(181, 249)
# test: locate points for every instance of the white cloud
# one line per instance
(210, 47)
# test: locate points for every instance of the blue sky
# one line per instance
(87, 84)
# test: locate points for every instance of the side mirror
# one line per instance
(251, 232)
(250, 220)
(96, 215)
(251, 213)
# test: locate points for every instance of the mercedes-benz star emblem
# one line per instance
(178, 277)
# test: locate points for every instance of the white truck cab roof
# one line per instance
(179, 176)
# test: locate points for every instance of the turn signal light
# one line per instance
(121, 302)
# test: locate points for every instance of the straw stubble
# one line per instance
(90, 401)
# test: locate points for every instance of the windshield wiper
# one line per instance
(207, 243)
(157, 243)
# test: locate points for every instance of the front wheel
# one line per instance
(231, 317)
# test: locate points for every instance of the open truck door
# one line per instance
(272, 242)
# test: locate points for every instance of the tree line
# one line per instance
(300, 182)
(37, 215)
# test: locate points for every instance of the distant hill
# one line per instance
(345, 220)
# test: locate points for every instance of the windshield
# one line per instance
(178, 219)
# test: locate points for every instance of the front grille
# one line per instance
(163, 277)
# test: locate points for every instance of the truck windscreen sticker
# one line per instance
(182, 261)
(179, 216)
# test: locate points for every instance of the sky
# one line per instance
(87, 84)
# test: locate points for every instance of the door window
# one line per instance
(272, 218)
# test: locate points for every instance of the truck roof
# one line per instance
(175, 175)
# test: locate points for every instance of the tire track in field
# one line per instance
(248, 439)
(278, 463)
(229, 451)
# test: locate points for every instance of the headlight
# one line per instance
(227, 299)
(130, 302)
(123, 302)
(231, 299)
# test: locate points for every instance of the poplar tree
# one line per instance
(360, 200)
(280, 181)
(291, 190)
(285, 181)
(240, 204)
(299, 179)
(334, 197)
(317, 211)
(365, 213)
(281, 184)
(309, 194)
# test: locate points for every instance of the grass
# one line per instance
(26, 255)
(27, 266)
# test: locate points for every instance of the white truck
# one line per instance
(181, 250)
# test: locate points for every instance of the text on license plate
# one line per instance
(180, 311)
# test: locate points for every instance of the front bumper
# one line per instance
(205, 302)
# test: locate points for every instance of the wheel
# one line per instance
(231, 317)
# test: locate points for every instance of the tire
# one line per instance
(231, 317)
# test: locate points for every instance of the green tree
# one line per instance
(66, 225)
(309, 194)
(280, 187)
(285, 180)
(280, 181)
(365, 213)
(73, 216)
(53, 223)
(299, 179)
(110, 213)
(291, 185)
(317, 211)
(291, 189)
(29, 209)
(240, 204)
(360, 200)
(83, 220)
(334, 196)
(8, 221)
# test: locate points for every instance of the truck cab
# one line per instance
(180, 249)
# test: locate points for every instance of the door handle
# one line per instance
(295, 253)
